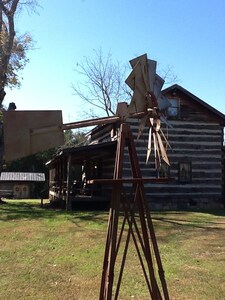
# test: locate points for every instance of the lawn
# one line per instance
(54, 254)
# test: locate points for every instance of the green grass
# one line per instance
(54, 254)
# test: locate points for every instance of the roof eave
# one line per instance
(198, 100)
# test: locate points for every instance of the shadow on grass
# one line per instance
(22, 209)
(203, 219)
(215, 212)
(98, 212)
(26, 210)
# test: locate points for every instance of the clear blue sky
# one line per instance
(186, 34)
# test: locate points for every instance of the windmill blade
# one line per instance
(134, 79)
(142, 63)
(165, 139)
(142, 126)
(143, 78)
(144, 69)
(138, 103)
(138, 78)
(164, 120)
(158, 124)
(158, 84)
(151, 73)
(141, 58)
(162, 149)
(156, 151)
(149, 149)
(154, 144)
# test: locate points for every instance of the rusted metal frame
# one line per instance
(148, 254)
(126, 217)
(137, 174)
(137, 247)
(129, 216)
(110, 255)
(156, 249)
(113, 244)
(108, 239)
(141, 260)
(140, 199)
(105, 260)
(121, 234)
(122, 267)
(154, 245)
(110, 250)
(132, 221)
(115, 210)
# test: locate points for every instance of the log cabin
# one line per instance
(196, 153)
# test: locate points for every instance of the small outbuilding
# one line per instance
(21, 185)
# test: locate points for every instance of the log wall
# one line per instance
(197, 143)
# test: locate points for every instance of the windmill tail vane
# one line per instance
(147, 98)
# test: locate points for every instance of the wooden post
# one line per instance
(68, 184)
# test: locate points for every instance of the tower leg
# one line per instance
(140, 227)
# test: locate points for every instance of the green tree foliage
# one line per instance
(31, 163)
(13, 46)
(18, 60)
(73, 139)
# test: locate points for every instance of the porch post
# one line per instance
(68, 183)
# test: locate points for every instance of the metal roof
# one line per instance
(22, 176)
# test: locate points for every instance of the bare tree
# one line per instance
(103, 84)
(13, 47)
(168, 75)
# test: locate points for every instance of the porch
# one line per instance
(71, 170)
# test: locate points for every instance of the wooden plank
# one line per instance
(125, 180)
(90, 122)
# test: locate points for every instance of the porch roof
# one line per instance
(82, 152)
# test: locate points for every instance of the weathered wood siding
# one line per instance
(196, 137)
(197, 143)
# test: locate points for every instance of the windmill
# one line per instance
(147, 97)
(147, 103)
(42, 129)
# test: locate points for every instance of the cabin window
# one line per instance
(174, 109)
(184, 172)
(164, 171)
